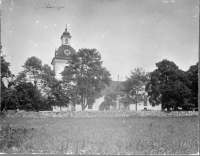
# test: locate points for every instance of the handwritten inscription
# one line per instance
(48, 6)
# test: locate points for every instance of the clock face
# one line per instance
(67, 52)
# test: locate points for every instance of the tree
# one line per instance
(192, 74)
(109, 100)
(86, 77)
(168, 86)
(6, 80)
(9, 98)
(25, 95)
(32, 69)
(135, 84)
(47, 80)
(5, 71)
(47, 91)
(59, 95)
(128, 99)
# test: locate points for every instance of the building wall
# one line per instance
(78, 107)
(95, 106)
(56, 109)
(141, 106)
(59, 66)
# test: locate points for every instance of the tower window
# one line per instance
(66, 41)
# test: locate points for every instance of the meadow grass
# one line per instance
(118, 135)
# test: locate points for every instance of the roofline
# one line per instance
(59, 59)
(66, 35)
(117, 81)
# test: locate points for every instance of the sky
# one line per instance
(127, 33)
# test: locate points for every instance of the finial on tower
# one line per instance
(66, 26)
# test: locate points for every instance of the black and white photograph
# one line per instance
(99, 77)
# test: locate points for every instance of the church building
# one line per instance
(62, 58)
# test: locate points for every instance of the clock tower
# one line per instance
(63, 54)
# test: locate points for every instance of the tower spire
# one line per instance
(66, 26)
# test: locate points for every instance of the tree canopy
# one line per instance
(85, 77)
(109, 100)
(6, 92)
(192, 74)
(36, 88)
(135, 86)
(169, 86)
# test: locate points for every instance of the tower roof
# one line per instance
(64, 52)
(60, 53)
(66, 33)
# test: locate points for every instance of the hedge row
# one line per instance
(118, 113)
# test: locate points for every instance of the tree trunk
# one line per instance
(136, 102)
(82, 107)
(136, 106)
(34, 98)
(162, 107)
(84, 104)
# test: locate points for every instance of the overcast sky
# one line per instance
(127, 33)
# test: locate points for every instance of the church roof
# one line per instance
(115, 87)
(60, 53)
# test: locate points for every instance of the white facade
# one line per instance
(69, 108)
(60, 109)
(140, 107)
(58, 67)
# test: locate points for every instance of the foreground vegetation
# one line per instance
(119, 135)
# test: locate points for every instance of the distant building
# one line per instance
(116, 87)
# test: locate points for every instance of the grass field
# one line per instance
(124, 135)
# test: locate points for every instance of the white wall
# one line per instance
(95, 106)
(58, 66)
(141, 107)
(56, 109)
(97, 103)
(62, 109)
